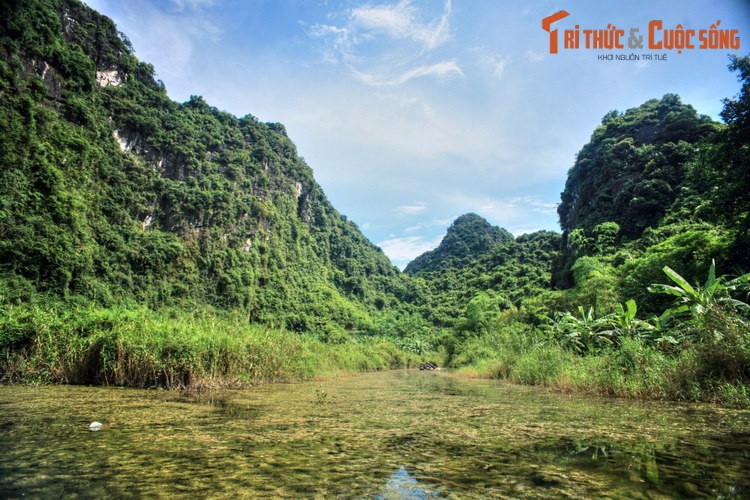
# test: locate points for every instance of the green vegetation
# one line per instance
(148, 242)
(653, 206)
(631, 170)
(111, 191)
(468, 238)
(142, 348)
(112, 197)
(477, 263)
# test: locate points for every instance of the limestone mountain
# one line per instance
(468, 238)
(632, 169)
(476, 257)
(629, 177)
(111, 191)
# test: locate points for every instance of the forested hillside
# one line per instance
(148, 242)
(467, 239)
(634, 166)
(649, 289)
(110, 191)
(478, 262)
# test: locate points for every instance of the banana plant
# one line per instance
(713, 299)
(624, 323)
(624, 317)
(582, 333)
(700, 299)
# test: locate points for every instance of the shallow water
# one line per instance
(404, 434)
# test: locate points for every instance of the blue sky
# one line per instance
(412, 113)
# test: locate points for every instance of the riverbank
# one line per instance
(634, 369)
(139, 347)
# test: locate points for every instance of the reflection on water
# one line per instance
(384, 435)
(402, 486)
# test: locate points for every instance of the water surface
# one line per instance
(403, 434)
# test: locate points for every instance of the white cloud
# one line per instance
(494, 63)
(341, 39)
(508, 208)
(431, 223)
(341, 36)
(534, 56)
(440, 69)
(192, 4)
(388, 126)
(377, 43)
(416, 208)
(395, 20)
(403, 250)
(401, 21)
(514, 213)
(497, 64)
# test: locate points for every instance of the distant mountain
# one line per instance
(468, 238)
(476, 257)
(113, 192)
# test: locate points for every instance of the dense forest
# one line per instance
(648, 293)
(148, 242)
(112, 191)
(113, 198)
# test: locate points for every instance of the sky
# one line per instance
(413, 112)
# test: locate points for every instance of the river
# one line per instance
(399, 434)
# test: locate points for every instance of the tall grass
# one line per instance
(632, 369)
(142, 348)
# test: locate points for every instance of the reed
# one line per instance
(139, 347)
(635, 369)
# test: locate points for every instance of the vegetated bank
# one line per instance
(655, 211)
(138, 347)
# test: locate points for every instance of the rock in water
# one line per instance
(95, 426)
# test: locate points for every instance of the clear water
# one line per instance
(383, 435)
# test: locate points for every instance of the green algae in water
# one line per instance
(383, 435)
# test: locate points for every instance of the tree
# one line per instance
(736, 111)
(483, 311)
(730, 171)
(606, 236)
